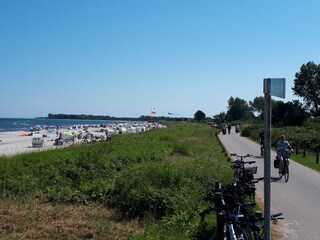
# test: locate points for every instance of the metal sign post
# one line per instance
(274, 87)
(267, 146)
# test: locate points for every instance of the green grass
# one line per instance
(160, 177)
(309, 160)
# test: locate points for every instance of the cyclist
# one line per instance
(237, 128)
(282, 146)
(261, 139)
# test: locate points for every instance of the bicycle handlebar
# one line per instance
(242, 157)
(256, 180)
(248, 162)
(276, 215)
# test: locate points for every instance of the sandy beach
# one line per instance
(17, 142)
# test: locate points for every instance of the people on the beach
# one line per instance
(18, 144)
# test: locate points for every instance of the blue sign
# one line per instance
(276, 88)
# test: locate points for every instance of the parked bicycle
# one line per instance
(241, 172)
(237, 220)
(244, 176)
(234, 203)
(235, 206)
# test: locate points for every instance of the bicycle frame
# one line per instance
(284, 171)
(235, 212)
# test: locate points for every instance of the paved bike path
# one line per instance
(298, 199)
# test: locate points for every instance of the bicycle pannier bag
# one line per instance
(276, 163)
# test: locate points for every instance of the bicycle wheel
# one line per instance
(229, 233)
(280, 172)
(286, 171)
(247, 234)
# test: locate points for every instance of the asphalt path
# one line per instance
(298, 199)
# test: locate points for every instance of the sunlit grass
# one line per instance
(309, 160)
(155, 182)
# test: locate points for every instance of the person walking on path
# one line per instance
(261, 140)
(229, 128)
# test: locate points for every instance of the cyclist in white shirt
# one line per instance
(282, 146)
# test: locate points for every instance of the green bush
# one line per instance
(155, 188)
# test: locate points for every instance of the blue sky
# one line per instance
(123, 57)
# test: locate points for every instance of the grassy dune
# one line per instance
(149, 185)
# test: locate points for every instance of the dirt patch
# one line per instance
(35, 219)
(276, 228)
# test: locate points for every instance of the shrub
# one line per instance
(153, 188)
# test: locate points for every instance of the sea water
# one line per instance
(16, 124)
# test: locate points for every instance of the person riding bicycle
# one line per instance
(261, 140)
(237, 128)
(282, 146)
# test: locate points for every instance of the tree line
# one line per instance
(298, 121)
(291, 113)
(101, 117)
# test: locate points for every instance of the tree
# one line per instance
(279, 110)
(199, 116)
(257, 106)
(238, 109)
(313, 123)
(295, 115)
(288, 114)
(307, 86)
(221, 117)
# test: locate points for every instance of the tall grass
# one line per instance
(161, 177)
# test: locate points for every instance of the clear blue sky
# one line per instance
(123, 57)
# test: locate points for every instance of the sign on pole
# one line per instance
(271, 87)
(277, 87)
